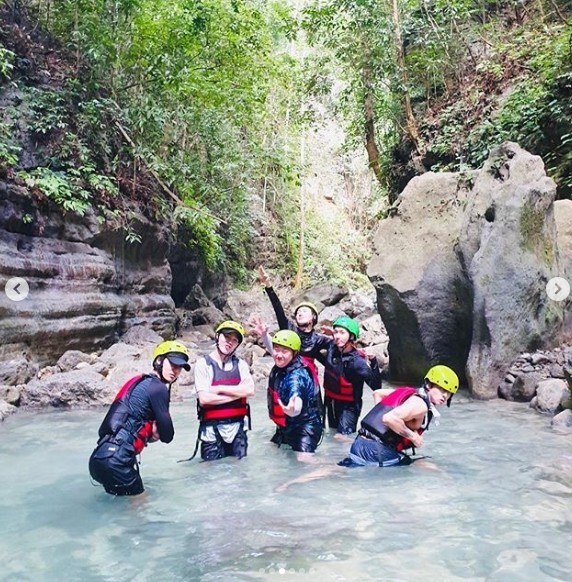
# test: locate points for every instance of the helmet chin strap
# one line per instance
(158, 367)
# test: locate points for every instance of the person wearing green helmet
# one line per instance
(223, 384)
(346, 370)
(138, 415)
(399, 418)
(292, 402)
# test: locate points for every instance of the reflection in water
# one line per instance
(498, 508)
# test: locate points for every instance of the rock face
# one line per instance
(424, 295)
(87, 285)
(461, 266)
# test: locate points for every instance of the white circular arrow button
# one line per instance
(557, 289)
(17, 289)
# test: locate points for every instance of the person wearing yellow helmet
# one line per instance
(304, 322)
(223, 384)
(292, 402)
(138, 415)
(399, 418)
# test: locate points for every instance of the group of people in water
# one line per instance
(223, 383)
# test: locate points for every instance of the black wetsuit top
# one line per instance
(353, 367)
(149, 400)
(312, 341)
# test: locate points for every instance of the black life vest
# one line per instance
(232, 411)
(374, 426)
(119, 416)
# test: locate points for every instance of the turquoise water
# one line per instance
(498, 507)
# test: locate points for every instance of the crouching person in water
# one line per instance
(223, 383)
(138, 415)
(292, 402)
(399, 418)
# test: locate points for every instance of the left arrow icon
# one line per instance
(16, 289)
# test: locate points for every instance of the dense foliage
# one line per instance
(196, 112)
(444, 81)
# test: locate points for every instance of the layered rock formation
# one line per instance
(87, 284)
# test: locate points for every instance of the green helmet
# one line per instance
(443, 377)
(288, 339)
(348, 324)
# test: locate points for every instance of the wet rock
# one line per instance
(75, 389)
(329, 314)
(359, 305)
(86, 283)
(321, 295)
(563, 420)
(139, 335)
(17, 371)
(549, 395)
(6, 409)
(70, 360)
(522, 389)
(11, 394)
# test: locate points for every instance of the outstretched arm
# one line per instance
(258, 327)
(274, 300)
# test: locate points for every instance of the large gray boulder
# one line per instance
(508, 245)
(460, 268)
(424, 296)
(75, 389)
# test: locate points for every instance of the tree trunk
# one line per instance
(300, 271)
(410, 123)
(369, 114)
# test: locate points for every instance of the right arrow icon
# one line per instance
(558, 289)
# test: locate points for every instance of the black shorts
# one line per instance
(343, 416)
(115, 467)
(303, 438)
(211, 451)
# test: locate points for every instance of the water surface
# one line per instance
(499, 507)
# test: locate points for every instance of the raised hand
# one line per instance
(263, 277)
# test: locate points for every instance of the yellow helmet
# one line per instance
(176, 352)
(443, 377)
(230, 325)
(288, 339)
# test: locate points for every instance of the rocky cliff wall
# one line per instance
(87, 284)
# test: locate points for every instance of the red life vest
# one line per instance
(275, 411)
(373, 423)
(313, 369)
(232, 411)
(119, 414)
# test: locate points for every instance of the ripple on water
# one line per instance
(496, 505)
